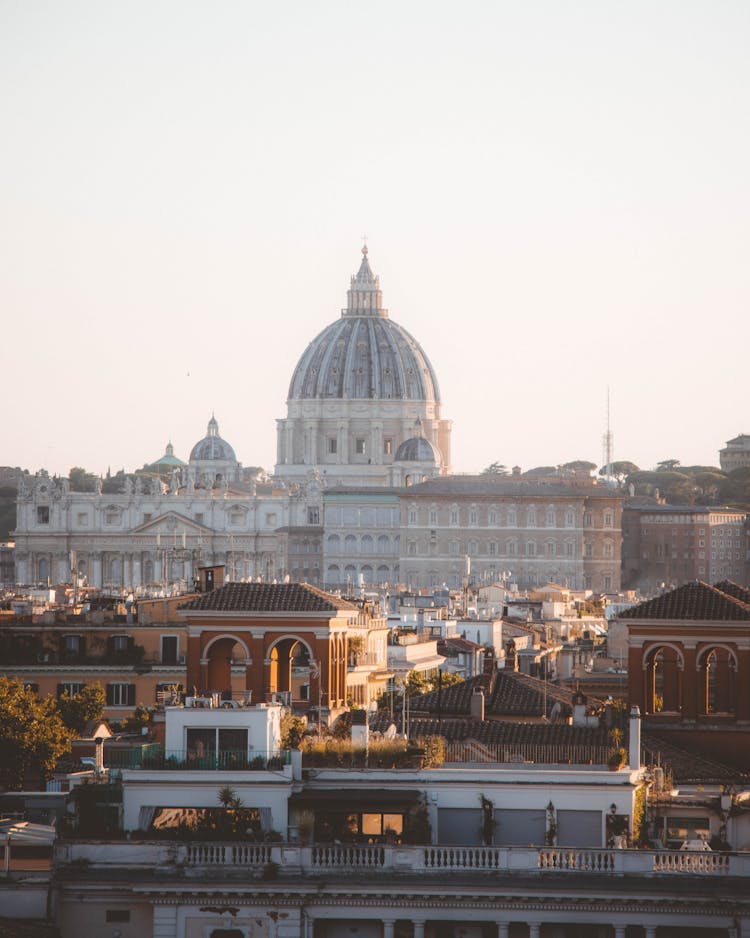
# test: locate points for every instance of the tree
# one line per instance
(579, 465)
(666, 465)
(495, 469)
(541, 471)
(81, 480)
(620, 469)
(76, 711)
(32, 735)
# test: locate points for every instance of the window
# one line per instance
(270, 518)
(569, 549)
(492, 548)
(69, 689)
(531, 518)
(569, 519)
(609, 550)
(608, 519)
(607, 583)
(588, 549)
(412, 516)
(42, 514)
(454, 515)
(512, 548)
(313, 515)
(199, 517)
(121, 643)
(411, 548)
(332, 445)
(454, 548)
(360, 446)
(112, 516)
(472, 548)
(530, 549)
(551, 549)
(512, 517)
(473, 517)
(550, 519)
(493, 517)
(433, 516)
(116, 915)
(169, 649)
(387, 447)
(587, 519)
(83, 519)
(120, 695)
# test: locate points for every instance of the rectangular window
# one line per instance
(607, 583)
(199, 517)
(388, 447)
(117, 915)
(83, 519)
(587, 519)
(313, 515)
(492, 548)
(169, 649)
(360, 446)
(120, 695)
(69, 689)
(332, 445)
(42, 514)
(146, 516)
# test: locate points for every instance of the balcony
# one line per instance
(228, 760)
(382, 861)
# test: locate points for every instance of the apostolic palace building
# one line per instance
(362, 493)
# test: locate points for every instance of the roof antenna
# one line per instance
(607, 447)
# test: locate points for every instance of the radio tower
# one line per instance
(607, 447)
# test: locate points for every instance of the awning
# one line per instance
(357, 799)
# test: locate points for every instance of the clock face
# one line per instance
(42, 489)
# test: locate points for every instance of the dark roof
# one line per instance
(735, 590)
(695, 601)
(268, 597)
(494, 732)
(458, 644)
(686, 762)
(513, 695)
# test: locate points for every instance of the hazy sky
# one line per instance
(556, 197)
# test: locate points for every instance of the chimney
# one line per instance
(477, 704)
(579, 708)
(360, 729)
(634, 757)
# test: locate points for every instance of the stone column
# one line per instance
(649, 931)
(534, 929)
(418, 927)
(502, 929)
(96, 569)
(620, 931)
(136, 568)
(389, 925)
(690, 686)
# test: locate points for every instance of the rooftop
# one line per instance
(268, 597)
(695, 601)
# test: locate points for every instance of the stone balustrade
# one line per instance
(384, 859)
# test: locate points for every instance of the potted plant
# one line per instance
(616, 758)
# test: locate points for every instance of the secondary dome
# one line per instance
(418, 449)
(364, 354)
(212, 447)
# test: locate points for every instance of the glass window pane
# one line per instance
(372, 824)
(394, 822)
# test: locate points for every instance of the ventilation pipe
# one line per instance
(635, 738)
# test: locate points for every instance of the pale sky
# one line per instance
(556, 197)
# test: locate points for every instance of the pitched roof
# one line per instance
(695, 601)
(689, 766)
(493, 732)
(734, 589)
(513, 695)
(268, 597)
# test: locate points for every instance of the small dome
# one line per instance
(212, 447)
(418, 449)
(168, 460)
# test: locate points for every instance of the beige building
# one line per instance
(481, 527)
(736, 454)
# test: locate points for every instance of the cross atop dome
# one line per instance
(364, 297)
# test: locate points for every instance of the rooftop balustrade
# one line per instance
(383, 860)
(225, 760)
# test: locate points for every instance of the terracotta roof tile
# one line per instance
(268, 597)
(697, 601)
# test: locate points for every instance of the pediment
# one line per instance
(171, 522)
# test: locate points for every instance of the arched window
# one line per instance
(367, 544)
(350, 545)
(334, 544)
(384, 544)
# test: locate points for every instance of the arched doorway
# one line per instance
(663, 666)
(227, 659)
(716, 681)
(290, 664)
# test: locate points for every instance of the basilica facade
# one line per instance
(361, 495)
